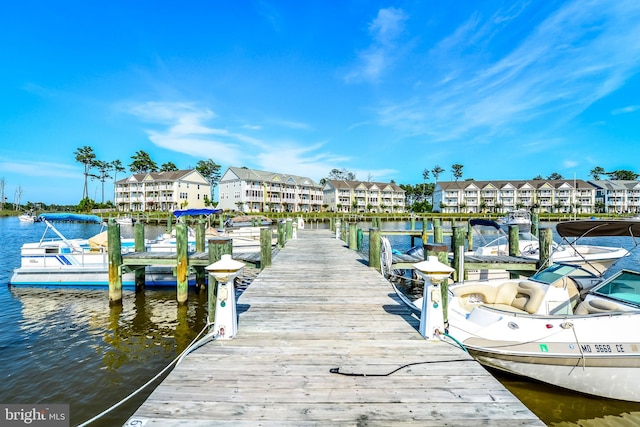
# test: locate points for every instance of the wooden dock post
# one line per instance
(217, 247)
(182, 267)
(457, 247)
(265, 247)
(425, 232)
(469, 236)
(281, 235)
(353, 236)
(169, 225)
(535, 224)
(374, 248)
(201, 274)
(114, 249)
(289, 228)
(438, 235)
(139, 245)
(514, 245)
(544, 244)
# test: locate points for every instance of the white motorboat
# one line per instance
(568, 250)
(547, 333)
(519, 217)
(491, 240)
(28, 217)
(56, 260)
(566, 326)
(125, 220)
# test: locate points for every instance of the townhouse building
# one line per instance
(617, 196)
(162, 191)
(561, 196)
(250, 190)
(361, 196)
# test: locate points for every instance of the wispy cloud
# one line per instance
(626, 110)
(384, 30)
(576, 56)
(183, 128)
(187, 128)
(25, 167)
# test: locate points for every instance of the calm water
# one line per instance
(68, 346)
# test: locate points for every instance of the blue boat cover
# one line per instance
(193, 212)
(74, 217)
(485, 222)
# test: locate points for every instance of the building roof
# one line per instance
(517, 184)
(615, 185)
(246, 174)
(342, 185)
(159, 176)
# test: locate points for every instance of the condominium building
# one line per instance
(567, 196)
(361, 196)
(617, 196)
(162, 191)
(250, 190)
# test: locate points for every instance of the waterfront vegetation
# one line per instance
(157, 217)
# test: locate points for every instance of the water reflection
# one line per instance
(90, 355)
(559, 407)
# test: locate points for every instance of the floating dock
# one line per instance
(324, 341)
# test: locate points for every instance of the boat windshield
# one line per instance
(624, 287)
(557, 271)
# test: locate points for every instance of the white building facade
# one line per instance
(361, 196)
(560, 196)
(250, 190)
(617, 196)
(162, 191)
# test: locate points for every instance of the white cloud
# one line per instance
(626, 110)
(375, 59)
(577, 55)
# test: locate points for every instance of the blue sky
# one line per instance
(384, 89)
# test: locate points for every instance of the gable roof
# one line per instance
(164, 176)
(380, 186)
(246, 174)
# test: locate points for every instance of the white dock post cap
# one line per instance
(433, 269)
(225, 268)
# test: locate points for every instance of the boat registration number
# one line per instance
(603, 348)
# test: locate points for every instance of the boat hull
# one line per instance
(592, 354)
(614, 376)
(89, 277)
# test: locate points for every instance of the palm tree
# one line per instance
(87, 157)
(116, 165)
(103, 173)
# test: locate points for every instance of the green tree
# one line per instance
(456, 170)
(210, 170)
(597, 172)
(117, 167)
(103, 173)
(168, 167)
(87, 157)
(436, 171)
(142, 163)
(622, 175)
(538, 178)
(339, 175)
(554, 176)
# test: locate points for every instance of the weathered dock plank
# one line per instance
(319, 308)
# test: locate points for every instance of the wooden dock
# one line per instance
(316, 310)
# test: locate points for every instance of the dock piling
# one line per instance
(115, 263)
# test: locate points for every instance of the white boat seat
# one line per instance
(595, 306)
(511, 296)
